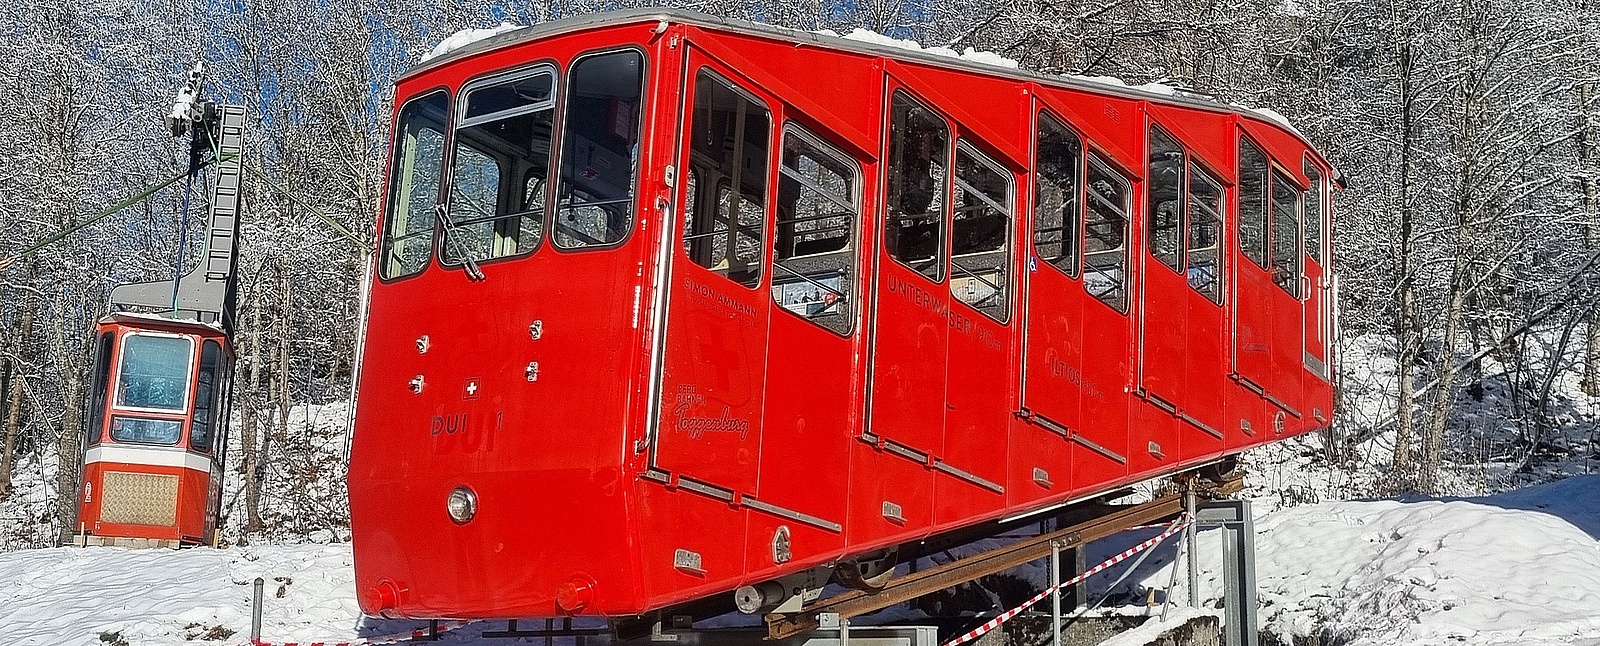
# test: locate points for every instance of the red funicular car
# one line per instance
(667, 305)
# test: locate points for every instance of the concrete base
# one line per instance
(82, 540)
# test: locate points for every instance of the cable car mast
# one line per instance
(206, 292)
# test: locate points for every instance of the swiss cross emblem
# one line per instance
(471, 390)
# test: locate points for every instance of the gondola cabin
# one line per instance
(666, 305)
(152, 469)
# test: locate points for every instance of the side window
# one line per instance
(154, 372)
(1058, 183)
(1206, 200)
(500, 168)
(728, 148)
(1285, 234)
(919, 145)
(1105, 258)
(818, 205)
(1253, 202)
(980, 230)
(102, 383)
(204, 397)
(1164, 199)
(599, 150)
(418, 159)
(1314, 201)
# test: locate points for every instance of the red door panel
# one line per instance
(1165, 333)
(909, 358)
(889, 495)
(911, 319)
(1052, 383)
(1106, 374)
(1162, 349)
(1155, 441)
(977, 416)
(1253, 321)
(807, 433)
(1040, 465)
(1202, 407)
(1054, 352)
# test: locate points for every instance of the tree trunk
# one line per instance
(1465, 203)
(252, 417)
(284, 398)
(280, 378)
(1591, 209)
(1439, 416)
(18, 385)
(1406, 315)
(69, 444)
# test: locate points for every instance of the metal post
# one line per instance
(1239, 568)
(844, 631)
(1189, 543)
(255, 611)
(1055, 597)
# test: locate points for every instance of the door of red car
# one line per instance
(1053, 343)
(713, 375)
(910, 342)
(909, 345)
(1268, 312)
(1318, 298)
(1163, 332)
(978, 398)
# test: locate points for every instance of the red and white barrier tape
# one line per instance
(1175, 527)
(444, 627)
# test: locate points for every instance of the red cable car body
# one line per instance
(706, 303)
(152, 458)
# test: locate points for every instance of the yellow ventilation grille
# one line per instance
(139, 499)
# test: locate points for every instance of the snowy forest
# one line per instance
(1467, 241)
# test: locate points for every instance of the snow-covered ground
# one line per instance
(1515, 568)
(1518, 568)
(1494, 565)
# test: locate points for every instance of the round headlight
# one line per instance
(462, 505)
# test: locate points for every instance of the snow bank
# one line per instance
(1516, 568)
(467, 37)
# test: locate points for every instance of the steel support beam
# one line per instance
(856, 603)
